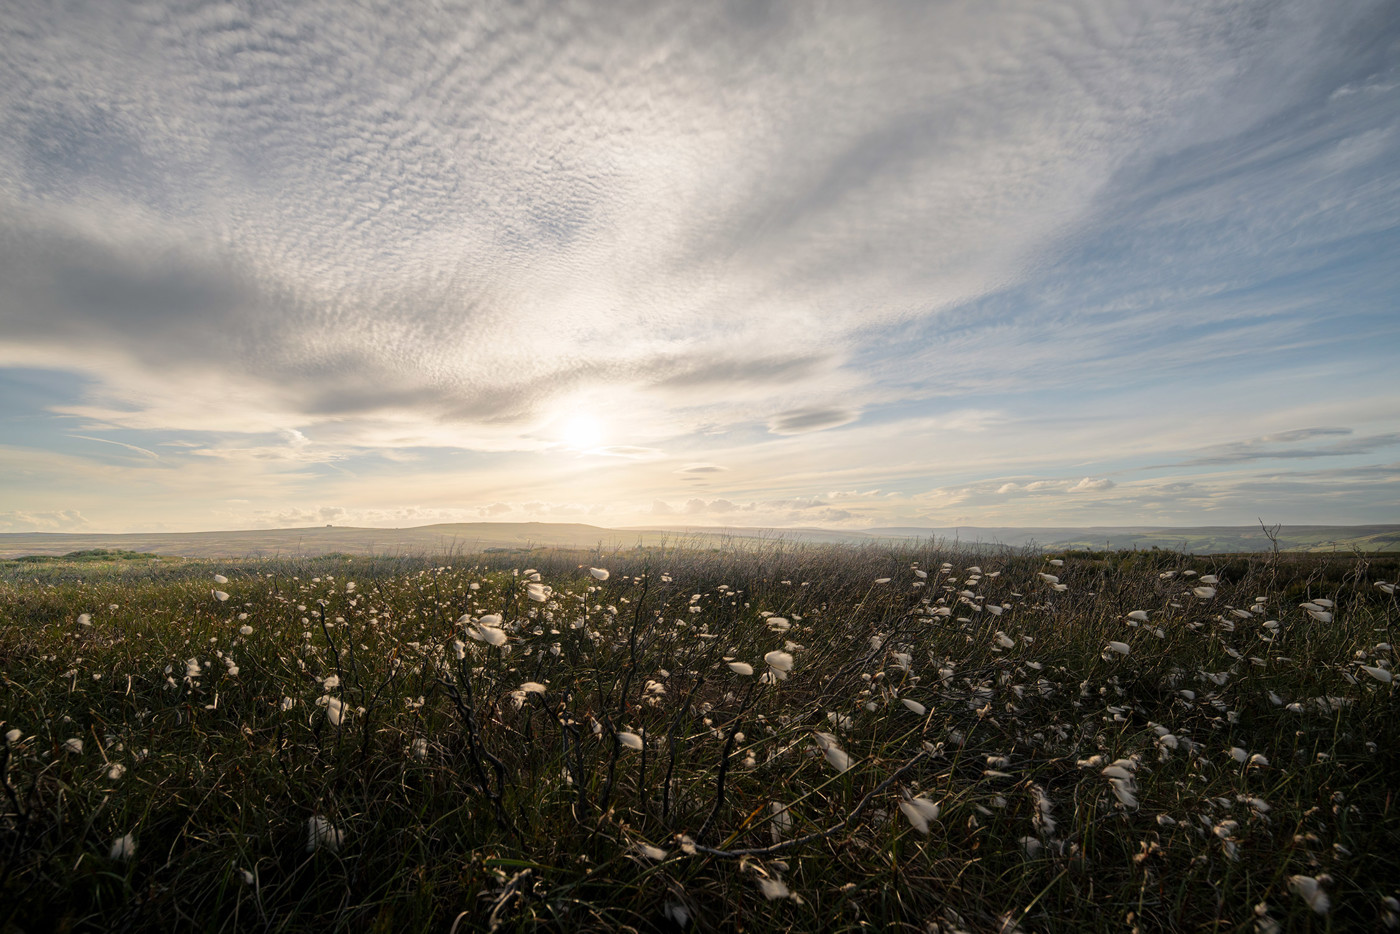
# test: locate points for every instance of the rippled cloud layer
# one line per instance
(1020, 261)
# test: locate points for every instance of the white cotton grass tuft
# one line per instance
(630, 740)
(219, 595)
(835, 755)
(13, 736)
(322, 834)
(780, 825)
(741, 668)
(220, 579)
(920, 811)
(123, 848)
(115, 771)
(600, 574)
(335, 708)
(779, 663)
(914, 705)
(647, 851)
(1310, 890)
(772, 888)
(85, 619)
(1126, 792)
(1044, 818)
(1120, 777)
(1139, 616)
(73, 745)
(1122, 648)
(532, 687)
(1205, 593)
(1380, 674)
(488, 634)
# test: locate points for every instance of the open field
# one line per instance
(318, 540)
(775, 737)
(472, 537)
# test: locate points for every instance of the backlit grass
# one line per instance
(1112, 743)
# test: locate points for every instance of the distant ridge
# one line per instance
(469, 537)
(1195, 539)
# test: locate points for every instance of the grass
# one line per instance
(447, 796)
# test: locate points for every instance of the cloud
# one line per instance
(695, 507)
(1276, 447)
(1092, 485)
(701, 469)
(627, 451)
(800, 421)
(915, 220)
(63, 520)
(130, 447)
(428, 228)
(756, 370)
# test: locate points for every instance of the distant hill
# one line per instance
(319, 540)
(470, 537)
(1197, 540)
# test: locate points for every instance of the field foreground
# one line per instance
(811, 738)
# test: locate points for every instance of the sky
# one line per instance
(746, 263)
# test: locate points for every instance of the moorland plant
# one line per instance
(771, 737)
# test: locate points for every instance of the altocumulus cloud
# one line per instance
(440, 228)
(798, 177)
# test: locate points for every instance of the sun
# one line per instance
(581, 432)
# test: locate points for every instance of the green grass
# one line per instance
(460, 800)
(86, 556)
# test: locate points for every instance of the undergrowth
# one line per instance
(928, 740)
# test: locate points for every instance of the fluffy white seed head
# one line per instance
(123, 848)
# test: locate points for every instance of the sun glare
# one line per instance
(581, 432)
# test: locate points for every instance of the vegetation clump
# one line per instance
(85, 556)
(770, 738)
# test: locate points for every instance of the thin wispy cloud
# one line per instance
(1290, 445)
(317, 255)
(121, 444)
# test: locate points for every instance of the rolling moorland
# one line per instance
(764, 736)
(485, 536)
